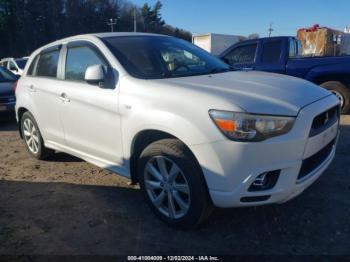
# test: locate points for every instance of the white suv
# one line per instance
(177, 120)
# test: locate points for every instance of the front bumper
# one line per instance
(231, 167)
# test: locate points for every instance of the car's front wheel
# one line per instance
(173, 184)
(32, 137)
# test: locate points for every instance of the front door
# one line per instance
(90, 115)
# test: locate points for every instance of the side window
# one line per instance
(292, 48)
(5, 64)
(299, 48)
(271, 52)
(32, 66)
(78, 60)
(47, 64)
(242, 54)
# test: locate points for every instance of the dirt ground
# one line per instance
(66, 206)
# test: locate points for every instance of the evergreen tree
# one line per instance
(26, 25)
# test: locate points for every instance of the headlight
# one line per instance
(250, 127)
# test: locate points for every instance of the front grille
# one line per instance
(311, 163)
(324, 120)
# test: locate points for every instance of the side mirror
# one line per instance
(100, 75)
(95, 74)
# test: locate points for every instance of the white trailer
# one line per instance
(215, 43)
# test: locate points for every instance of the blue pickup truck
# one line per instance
(283, 55)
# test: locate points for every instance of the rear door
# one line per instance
(242, 57)
(42, 85)
(272, 56)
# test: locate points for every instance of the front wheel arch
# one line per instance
(143, 139)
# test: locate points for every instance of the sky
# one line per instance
(243, 17)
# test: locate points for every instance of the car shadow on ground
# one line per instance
(62, 157)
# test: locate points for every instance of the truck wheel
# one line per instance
(173, 184)
(341, 91)
(32, 137)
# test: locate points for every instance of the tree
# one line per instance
(152, 18)
(26, 25)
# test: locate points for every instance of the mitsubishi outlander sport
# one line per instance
(166, 114)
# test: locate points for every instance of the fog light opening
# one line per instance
(265, 181)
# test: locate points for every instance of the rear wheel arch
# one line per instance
(342, 78)
(20, 113)
(342, 91)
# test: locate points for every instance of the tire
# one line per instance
(176, 157)
(33, 140)
(341, 91)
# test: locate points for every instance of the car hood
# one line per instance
(6, 89)
(255, 92)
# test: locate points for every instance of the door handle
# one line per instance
(247, 69)
(64, 97)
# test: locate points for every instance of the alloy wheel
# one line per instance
(31, 136)
(167, 187)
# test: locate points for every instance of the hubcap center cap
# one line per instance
(167, 186)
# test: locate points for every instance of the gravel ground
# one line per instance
(64, 205)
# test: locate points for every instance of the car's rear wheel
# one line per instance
(173, 184)
(32, 137)
(341, 91)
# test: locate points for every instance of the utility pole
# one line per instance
(112, 22)
(135, 25)
(270, 29)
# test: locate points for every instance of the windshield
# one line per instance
(6, 75)
(21, 63)
(156, 57)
